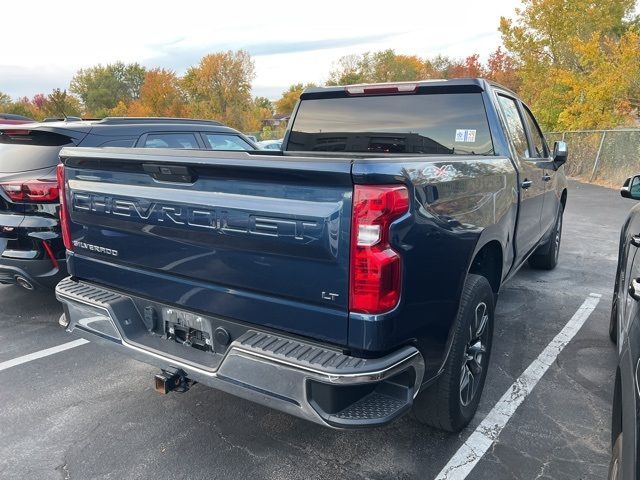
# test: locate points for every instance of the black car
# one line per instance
(624, 330)
(32, 253)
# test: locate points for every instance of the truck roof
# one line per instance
(465, 84)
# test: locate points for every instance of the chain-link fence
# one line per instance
(607, 157)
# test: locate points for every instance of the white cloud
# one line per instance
(66, 35)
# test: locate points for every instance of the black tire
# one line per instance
(615, 466)
(546, 257)
(613, 320)
(446, 404)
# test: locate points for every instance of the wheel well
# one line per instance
(488, 263)
(616, 415)
(563, 198)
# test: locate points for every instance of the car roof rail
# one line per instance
(145, 120)
(62, 119)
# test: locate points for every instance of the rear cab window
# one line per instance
(421, 123)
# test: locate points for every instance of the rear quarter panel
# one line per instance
(458, 205)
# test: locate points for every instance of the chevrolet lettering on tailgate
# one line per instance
(224, 220)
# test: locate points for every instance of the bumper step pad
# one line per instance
(373, 406)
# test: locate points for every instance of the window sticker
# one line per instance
(465, 136)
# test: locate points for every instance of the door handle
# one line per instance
(526, 184)
(634, 289)
(635, 240)
(546, 177)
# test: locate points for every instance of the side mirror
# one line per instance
(631, 188)
(560, 153)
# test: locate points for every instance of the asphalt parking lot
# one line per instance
(89, 413)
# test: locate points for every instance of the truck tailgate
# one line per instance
(255, 238)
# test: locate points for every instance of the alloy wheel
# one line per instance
(474, 355)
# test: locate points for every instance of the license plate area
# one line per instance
(186, 335)
(188, 329)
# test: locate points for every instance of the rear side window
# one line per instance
(514, 125)
(443, 123)
(218, 141)
(273, 146)
(171, 140)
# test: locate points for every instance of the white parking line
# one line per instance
(42, 353)
(470, 453)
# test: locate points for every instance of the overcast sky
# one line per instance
(290, 41)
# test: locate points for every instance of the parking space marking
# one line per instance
(474, 448)
(42, 353)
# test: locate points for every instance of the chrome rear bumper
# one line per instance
(311, 381)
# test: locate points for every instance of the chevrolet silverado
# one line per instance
(348, 279)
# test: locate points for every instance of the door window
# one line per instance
(218, 141)
(515, 126)
(536, 136)
(171, 140)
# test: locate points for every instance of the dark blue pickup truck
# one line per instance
(348, 279)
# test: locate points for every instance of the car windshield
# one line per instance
(451, 123)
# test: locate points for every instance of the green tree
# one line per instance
(351, 69)
(61, 104)
(220, 87)
(5, 101)
(373, 67)
(101, 88)
(264, 103)
(438, 66)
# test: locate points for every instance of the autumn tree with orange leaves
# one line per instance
(575, 62)
(219, 87)
(160, 96)
(578, 61)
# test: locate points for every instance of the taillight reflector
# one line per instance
(38, 191)
(65, 225)
(50, 254)
(375, 267)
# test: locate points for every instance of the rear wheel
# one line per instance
(615, 467)
(451, 402)
(547, 258)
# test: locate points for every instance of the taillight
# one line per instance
(65, 226)
(381, 89)
(38, 191)
(376, 269)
